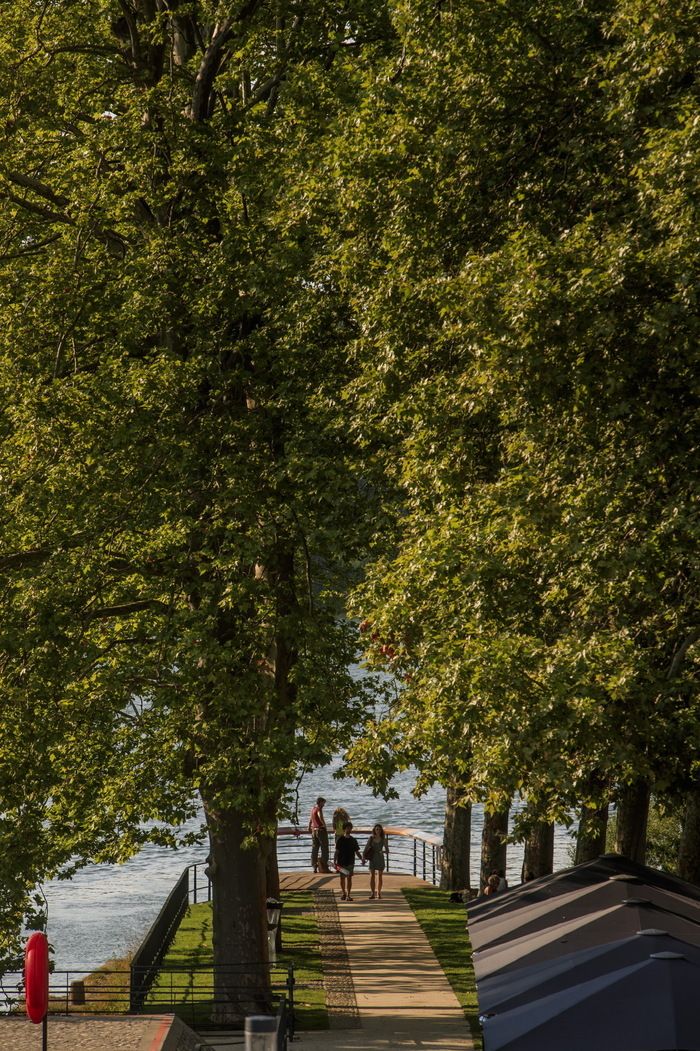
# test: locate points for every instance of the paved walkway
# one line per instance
(403, 1000)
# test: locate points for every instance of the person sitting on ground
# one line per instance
(340, 816)
(502, 881)
(346, 850)
(492, 884)
(376, 849)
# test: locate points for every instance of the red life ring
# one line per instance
(36, 976)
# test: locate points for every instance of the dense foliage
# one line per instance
(180, 508)
(527, 279)
(279, 277)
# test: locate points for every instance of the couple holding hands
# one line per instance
(376, 851)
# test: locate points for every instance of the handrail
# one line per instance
(149, 955)
(417, 853)
(187, 990)
(390, 830)
(411, 851)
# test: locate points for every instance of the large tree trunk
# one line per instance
(632, 819)
(456, 844)
(689, 847)
(592, 830)
(272, 872)
(493, 844)
(239, 936)
(272, 880)
(538, 859)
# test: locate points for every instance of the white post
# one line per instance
(260, 1033)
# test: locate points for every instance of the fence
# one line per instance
(203, 996)
(149, 955)
(411, 852)
(191, 992)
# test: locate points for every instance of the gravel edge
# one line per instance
(341, 1001)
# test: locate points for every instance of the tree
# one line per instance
(180, 504)
(456, 853)
(529, 336)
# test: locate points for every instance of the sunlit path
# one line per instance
(402, 997)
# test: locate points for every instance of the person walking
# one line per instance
(346, 850)
(319, 837)
(375, 852)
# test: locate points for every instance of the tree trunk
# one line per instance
(456, 844)
(592, 830)
(272, 881)
(538, 859)
(689, 847)
(632, 818)
(239, 920)
(493, 844)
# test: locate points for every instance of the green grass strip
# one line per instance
(444, 924)
(192, 947)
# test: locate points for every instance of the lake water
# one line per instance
(105, 910)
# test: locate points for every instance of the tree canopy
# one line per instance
(527, 273)
(181, 507)
(287, 283)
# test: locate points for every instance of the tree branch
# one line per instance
(113, 242)
(37, 247)
(127, 608)
(30, 182)
(212, 58)
(679, 655)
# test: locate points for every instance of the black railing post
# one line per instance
(423, 859)
(291, 980)
(195, 883)
(415, 857)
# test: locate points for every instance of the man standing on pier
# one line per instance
(319, 833)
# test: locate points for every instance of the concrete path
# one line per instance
(403, 1000)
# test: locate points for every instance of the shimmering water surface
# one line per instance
(106, 909)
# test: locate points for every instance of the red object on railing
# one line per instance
(36, 976)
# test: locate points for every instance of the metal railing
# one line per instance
(411, 852)
(203, 996)
(147, 986)
(149, 955)
(199, 885)
(284, 1030)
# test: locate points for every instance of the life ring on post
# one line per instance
(36, 976)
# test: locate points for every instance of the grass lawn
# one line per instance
(445, 926)
(192, 946)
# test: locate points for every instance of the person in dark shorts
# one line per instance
(346, 850)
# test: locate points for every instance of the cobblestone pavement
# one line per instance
(81, 1034)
